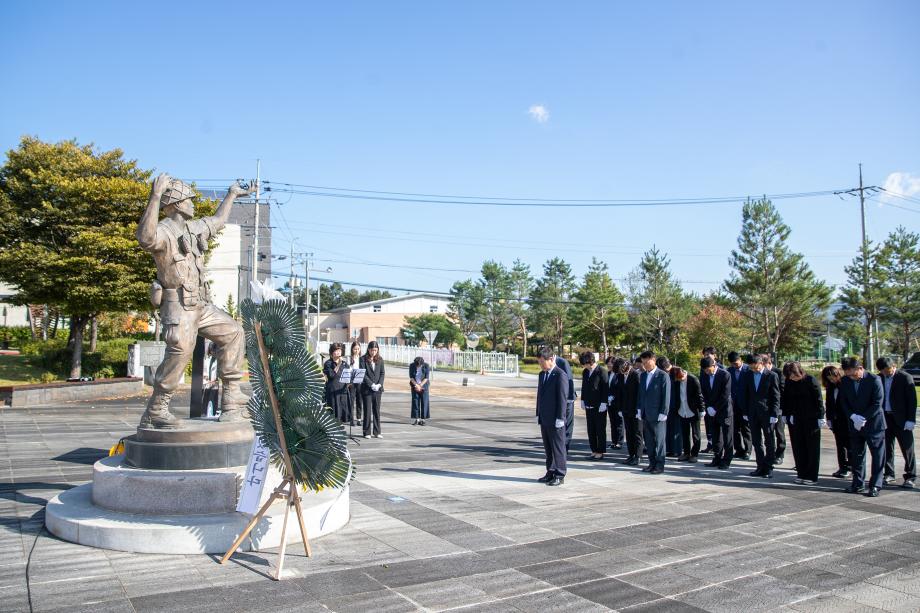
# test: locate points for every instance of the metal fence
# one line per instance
(488, 362)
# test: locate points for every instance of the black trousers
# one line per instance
(690, 435)
(359, 404)
(597, 430)
(634, 435)
(722, 435)
(554, 448)
(371, 421)
(742, 436)
(875, 441)
(806, 449)
(617, 427)
(905, 440)
(841, 430)
(673, 443)
(710, 424)
(655, 434)
(569, 423)
(763, 437)
(780, 434)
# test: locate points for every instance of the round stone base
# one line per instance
(72, 516)
(195, 444)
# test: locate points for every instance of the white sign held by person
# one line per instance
(256, 476)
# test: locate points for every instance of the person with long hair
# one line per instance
(594, 403)
(804, 408)
(336, 390)
(837, 420)
(419, 374)
(372, 389)
(355, 401)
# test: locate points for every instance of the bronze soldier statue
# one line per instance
(178, 244)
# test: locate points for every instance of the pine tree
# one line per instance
(496, 288)
(773, 288)
(521, 286)
(658, 304)
(548, 301)
(899, 261)
(862, 297)
(599, 313)
(466, 305)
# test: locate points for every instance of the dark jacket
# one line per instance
(552, 398)
(802, 401)
(694, 395)
(867, 401)
(654, 396)
(903, 398)
(629, 393)
(334, 383)
(371, 376)
(563, 364)
(719, 396)
(764, 401)
(832, 409)
(738, 384)
(426, 376)
(594, 388)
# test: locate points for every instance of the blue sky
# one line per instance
(645, 100)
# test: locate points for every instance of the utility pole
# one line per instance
(255, 231)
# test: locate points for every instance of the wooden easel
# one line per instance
(287, 489)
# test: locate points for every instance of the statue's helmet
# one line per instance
(176, 193)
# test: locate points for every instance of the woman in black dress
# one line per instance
(836, 419)
(419, 372)
(336, 391)
(803, 405)
(355, 401)
(371, 389)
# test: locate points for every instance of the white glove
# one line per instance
(638, 414)
(858, 421)
(376, 387)
(620, 413)
(830, 426)
(791, 420)
(663, 417)
(602, 408)
(609, 399)
(711, 411)
(785, 418)
(583, 405)
(822, 423)
(908, 425)
(773, 420)
(560, 423)
(745, 418)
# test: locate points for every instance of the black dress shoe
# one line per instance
(779, 459)
(546, 478)
(692, 459)
(756, 473)
(854, 490)
(633, 462)
(841, 474)
(724, 466)
(767, 475)
(908, 484)
(707, 450)
(656, 471)
(872, 493)
(745, 457)
(712, 464)
(556, 481)
(647, 469)
(889, 480)
(616, 446)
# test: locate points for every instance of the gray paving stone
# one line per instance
(828, 603)
(384, 600)
(880, 597)
(561, 573)
(556, 601)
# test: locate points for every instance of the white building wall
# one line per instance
(224, 266)
(15, 315)
(417, 305)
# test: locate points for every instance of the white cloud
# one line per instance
(538, 113)
(902, 183)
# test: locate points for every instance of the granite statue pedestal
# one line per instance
(176, 491)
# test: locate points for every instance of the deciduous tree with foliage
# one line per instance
(773, 287)
(466, 305)
(658, 306)
(899, 261)
(549, 301)
(718, 326)
(599, 313)
(68, 214)
(496, 288)
(448, 331)
(521, 287)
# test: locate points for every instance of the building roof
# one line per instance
(359, 305)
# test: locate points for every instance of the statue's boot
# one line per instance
(157, 414)
(233, 403)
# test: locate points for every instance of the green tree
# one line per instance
(448, 331)
(599, 313)
(899, 261)
(862, 297)
(467, 304)
(658, 305)
(772, 287)
(68, 214)
(496, 288)
(521, 287)
(549, 301)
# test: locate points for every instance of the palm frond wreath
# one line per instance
(316, 441)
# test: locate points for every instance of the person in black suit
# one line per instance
(372, 389)
(336, 391)
(742, 434)
(900, 405)
(653, 403)
(419, 381)
(709, 352)
(837, 420)
(686, 388)
(780, 430)
(673, 446)
(552, 397)
(760, 401)
(716, 387)
(625, 399)
(594, 403)
(804, 408)
(861, 395)
(617, 427)
(564, 366)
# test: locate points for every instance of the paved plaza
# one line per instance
(449, 516)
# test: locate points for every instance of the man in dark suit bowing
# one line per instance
(563, 365)
(716, 384)
(742, 434)
(760, 397)
(653, 402)
(861, 396)
(900, 406)
(552, 393)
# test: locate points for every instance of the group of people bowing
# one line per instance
(655, 409)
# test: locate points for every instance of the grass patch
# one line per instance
(20, 369)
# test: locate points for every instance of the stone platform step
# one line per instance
(72, 516)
